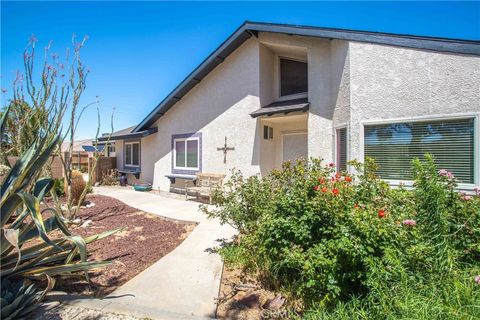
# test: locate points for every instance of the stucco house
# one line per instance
(274, 92)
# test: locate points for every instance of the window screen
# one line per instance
(342, 149)
(394, 146)
(186, 153)
(293, 77)
(135, 154)
(128, 154)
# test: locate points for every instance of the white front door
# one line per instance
(295, 146)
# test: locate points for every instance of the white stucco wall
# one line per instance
(119, 153)
(349, 83)
(398, 83)
(219, 106)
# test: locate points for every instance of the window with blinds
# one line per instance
(394, 146)
(342, 149)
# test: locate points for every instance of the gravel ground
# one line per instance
(67, 312)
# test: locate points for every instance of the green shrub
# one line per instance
(59, 186)
(336, 240)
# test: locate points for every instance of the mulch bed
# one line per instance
(145, 238)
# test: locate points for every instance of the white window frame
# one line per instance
(131, 155)
(110, 150)
(279, 79)
(456, 116)
(185, 145)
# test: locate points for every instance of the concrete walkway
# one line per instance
(181, 285)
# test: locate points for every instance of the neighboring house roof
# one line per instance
(249, 29)
(127, 133)
(285, 107)
(77, 145)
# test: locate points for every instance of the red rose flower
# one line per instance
(335, 191)
(324, 189)
(316, 188)
(381, 213)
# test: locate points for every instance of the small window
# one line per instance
(111, 151)
(395, 145)
(293, 77)
(267, 133)
(132, 154)
(341, 149)
(186, 153)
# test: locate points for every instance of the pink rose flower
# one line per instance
(409, 222)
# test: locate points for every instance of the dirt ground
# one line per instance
(243, 298)
(145, 238)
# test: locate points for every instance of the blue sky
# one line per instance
(139, 51)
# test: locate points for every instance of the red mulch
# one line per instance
(144, 239)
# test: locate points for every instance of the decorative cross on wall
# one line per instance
(225, 149)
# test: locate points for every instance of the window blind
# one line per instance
(342, 149)
(395, 145)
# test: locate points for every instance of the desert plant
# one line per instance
(28, 250)
(48, 257)
(78, 186)
(18, 299)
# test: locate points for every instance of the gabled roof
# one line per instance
(249, 29)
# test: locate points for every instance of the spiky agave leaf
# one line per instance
(18, 298)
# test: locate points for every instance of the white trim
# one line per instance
(436, 117)
(439, 117)
(131, 154)
(185, 144)
(299, 131)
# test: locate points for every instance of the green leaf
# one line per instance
(42, 187)
(58, 270)
(33, 205)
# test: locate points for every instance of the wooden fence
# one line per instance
(82, 161)
(104, 165)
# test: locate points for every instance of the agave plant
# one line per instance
(23, 221)
(18, 298)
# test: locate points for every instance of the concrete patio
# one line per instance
(181, 285)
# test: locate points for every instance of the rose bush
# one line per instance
(326, 238)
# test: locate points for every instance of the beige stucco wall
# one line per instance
(349, 83)
(219, 106)
(398, 83)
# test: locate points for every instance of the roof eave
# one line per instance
(249, 29)
(132, 135)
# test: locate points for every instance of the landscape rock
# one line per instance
(275, 304)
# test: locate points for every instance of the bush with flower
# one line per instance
(326, 238)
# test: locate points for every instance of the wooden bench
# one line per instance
(205, 184)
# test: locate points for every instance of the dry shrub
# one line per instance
(78, 186)
(110, 178)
